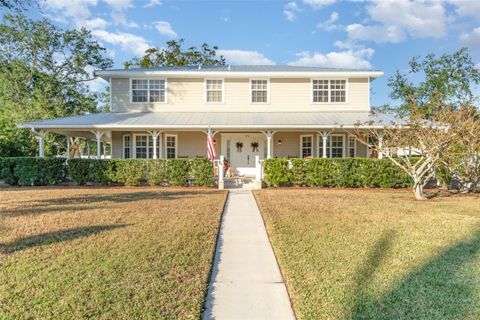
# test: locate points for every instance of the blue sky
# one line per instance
(330, 33)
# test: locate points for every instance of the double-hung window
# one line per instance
(352, 144)
(152, 90)
(306, 146)
(214, 90)
(329, 91)
(335, 146)
(171, 146)
(126, 146)
(259, 91)
(141, 146)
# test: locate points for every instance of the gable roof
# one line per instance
(239, 70)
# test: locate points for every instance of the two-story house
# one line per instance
(270, 111)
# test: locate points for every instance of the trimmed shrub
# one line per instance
(157, 172)
(31, 171)
(202, 171)
(349, 173)
(103, 171)
(78, 170)
(276, 172)
(130, 172)
(178, 171)
(7, 171)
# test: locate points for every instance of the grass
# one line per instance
(376, 254)
(106, 253)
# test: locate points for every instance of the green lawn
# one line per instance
(376, 254)
(106, 253)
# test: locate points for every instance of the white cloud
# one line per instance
(472, 39)
(356, 59)
(375, 33)
(318, 4)
(329, 25)
(120, 19)
(289, 11)
(245, 57)
(76, 9)
(152, 3)
(119, 5)
(92, 24)
(127, 41)
(466, 7)
(164, 28)
(399, 18)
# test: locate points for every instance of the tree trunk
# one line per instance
(418, 190)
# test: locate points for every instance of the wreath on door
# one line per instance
(239, 146)
(254, 146)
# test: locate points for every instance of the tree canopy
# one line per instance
(176, 55)
(446, 81)
(43, 74)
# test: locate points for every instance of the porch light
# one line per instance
(279, 142)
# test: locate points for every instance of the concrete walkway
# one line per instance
(246, 281)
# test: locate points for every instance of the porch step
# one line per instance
(245, 183)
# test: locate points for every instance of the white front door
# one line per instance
(240, 151)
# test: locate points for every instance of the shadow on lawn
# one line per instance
(55, 237)
(83, 202)
(443, 288)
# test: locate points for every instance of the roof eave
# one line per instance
(106, 74)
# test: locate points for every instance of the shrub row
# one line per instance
(31, 171)
(348, 173)
(132, 172)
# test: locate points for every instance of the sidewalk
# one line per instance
(246, 281)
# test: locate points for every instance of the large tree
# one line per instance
(176, 55)
(43, 74)
(434, 81)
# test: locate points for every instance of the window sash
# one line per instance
(214, 90)
(307, 146)
(127, 147)
(148, 90)
(352, 146)
(329, 91)
(171, 146)
(259, 91)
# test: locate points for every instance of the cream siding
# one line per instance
(285, 94)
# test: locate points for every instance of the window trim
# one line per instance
(148, 91)
(343, 143)
(329, 91)
(301, 144)
(166, 146)
(250, 91)
(354, 146)
(135, 135)
(205, 90)
(123, 145)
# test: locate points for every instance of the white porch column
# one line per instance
(269, 136)
(41, 141)
(155, 134)
(98, 135)
(68, 147)
(380, 145)
(88, 148)
(324, 135)
(221, 172)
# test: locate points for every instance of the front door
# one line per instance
(240, 151)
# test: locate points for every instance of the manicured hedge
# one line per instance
(349, 173)
(133, 172)
(32, 171)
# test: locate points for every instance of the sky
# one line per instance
(382, 35)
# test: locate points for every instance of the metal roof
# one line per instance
(216, 120)
(240, 71)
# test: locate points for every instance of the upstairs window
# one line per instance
(152, 90)
(329, 91)
(214, 91)
(259, 91)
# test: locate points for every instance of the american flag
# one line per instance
(210, 146)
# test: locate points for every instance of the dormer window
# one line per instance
(214, 91)
(259, 91)
(329, 91)
(148, 90)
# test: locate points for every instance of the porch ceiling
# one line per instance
(216, 120)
